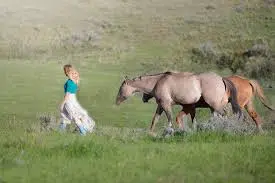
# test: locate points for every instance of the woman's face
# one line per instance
(70, 74)
(73, 75)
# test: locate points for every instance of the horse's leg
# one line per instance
(155, 119)
(168, 111)
(179, 118)
(218, 108)
(185, 111)
(146, 97)
(254, 115)
(214, 113)
(194, 121)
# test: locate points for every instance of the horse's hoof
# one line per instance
(152, 134)
(179, 132)
(168, 131)
(261, 131)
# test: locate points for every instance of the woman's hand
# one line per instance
(76, 77)
(61, 106)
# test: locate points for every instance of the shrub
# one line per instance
(229, 123)
(47, 122)
(256, 62)
(204, 54)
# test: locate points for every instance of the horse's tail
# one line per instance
(230, 87)
(257, 90)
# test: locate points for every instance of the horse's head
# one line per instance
(143, 84)
(146, 97)
(125, 91)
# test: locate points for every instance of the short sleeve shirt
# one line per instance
(70, 87)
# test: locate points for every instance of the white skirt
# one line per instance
(73, 111)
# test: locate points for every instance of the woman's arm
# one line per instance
(64, 100)
(66, 97)
(76, 77)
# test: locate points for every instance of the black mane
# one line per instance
(139, 77)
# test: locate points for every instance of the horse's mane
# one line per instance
(165, 73)
(242, 77)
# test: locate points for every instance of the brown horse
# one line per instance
(246, 90)
(181, 89)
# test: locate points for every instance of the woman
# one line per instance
(70, 108)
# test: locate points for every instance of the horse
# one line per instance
(180, 88)
(143, 84)
(246, 90)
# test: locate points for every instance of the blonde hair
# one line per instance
(67, 68)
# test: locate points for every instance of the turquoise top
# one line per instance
(70, 87)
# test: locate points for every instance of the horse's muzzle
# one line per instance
(119, 100)
(145, 100)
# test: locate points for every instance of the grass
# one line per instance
(113, 154)
(203, 158)
(133, 38)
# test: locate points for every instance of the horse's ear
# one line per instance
(126, 79)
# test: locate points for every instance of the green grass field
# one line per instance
(107, 41)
